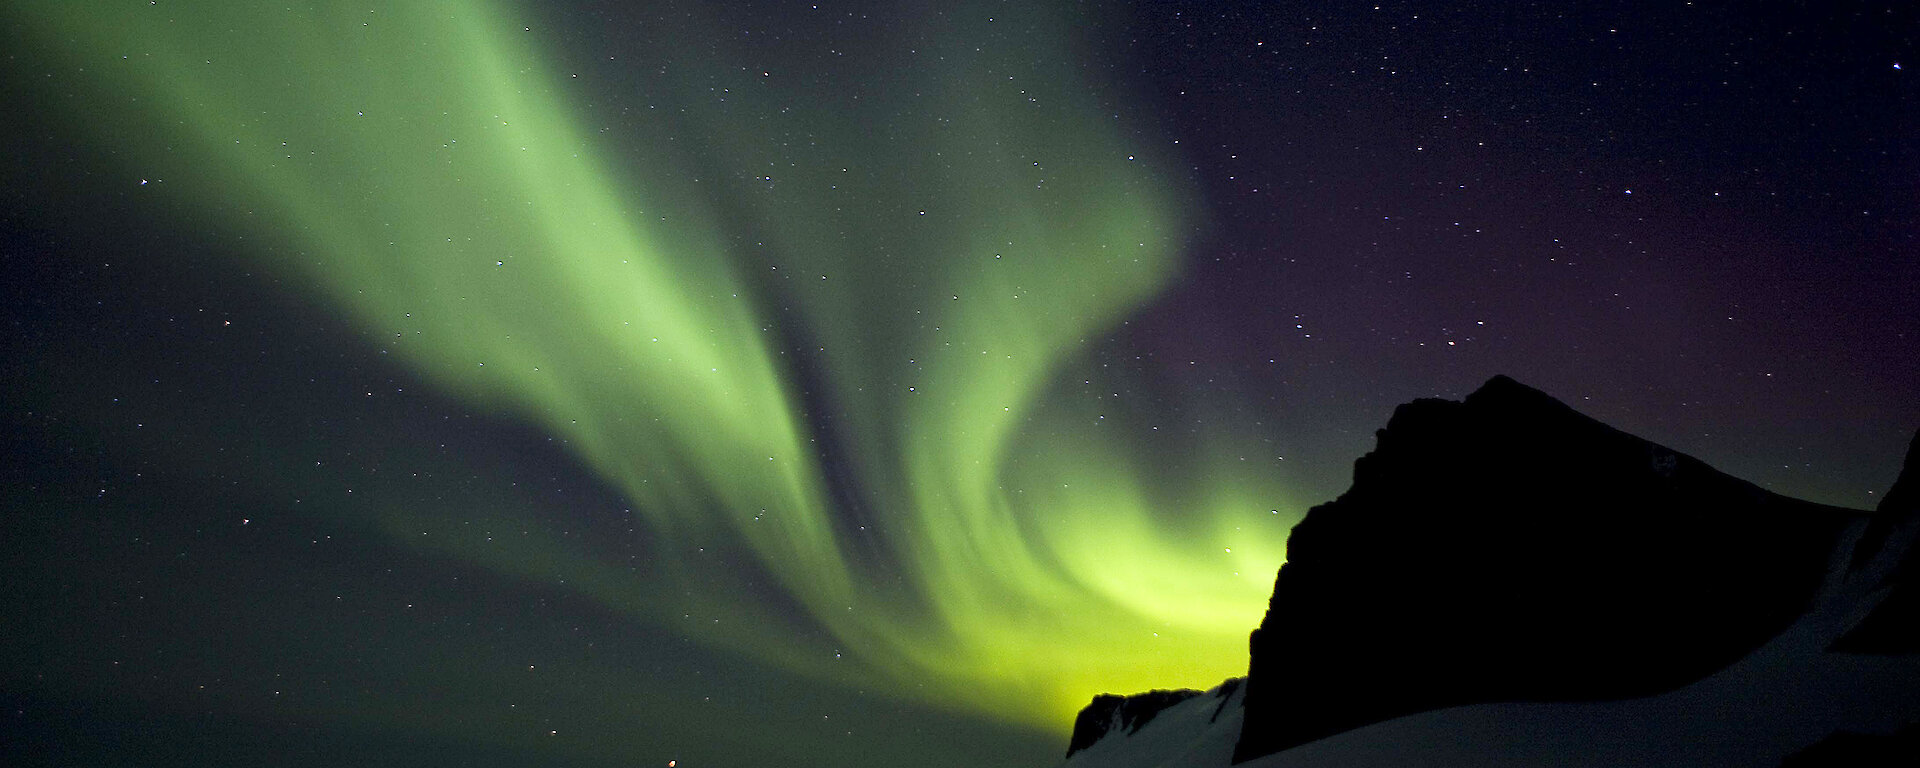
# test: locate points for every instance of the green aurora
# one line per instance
(919, 244)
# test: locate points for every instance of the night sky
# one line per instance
(853, 384)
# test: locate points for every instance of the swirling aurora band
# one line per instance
(934, 230)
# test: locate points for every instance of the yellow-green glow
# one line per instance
(948, 246)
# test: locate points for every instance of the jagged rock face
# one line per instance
(1894, 625)
(1904, 496)
(1121, 714)
(1507, 548)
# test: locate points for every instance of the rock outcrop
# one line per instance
(1109, 714)
(1894, 625)
(1508, 548)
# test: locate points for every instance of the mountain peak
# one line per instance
(1509, 548)
(1502, 385)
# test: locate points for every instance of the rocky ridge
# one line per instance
(1506, 548)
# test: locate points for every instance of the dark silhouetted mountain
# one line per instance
(1894, 625)
(1121, 714)
(1507, 548)
(1904, 496)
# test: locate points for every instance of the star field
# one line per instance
(851, 383)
